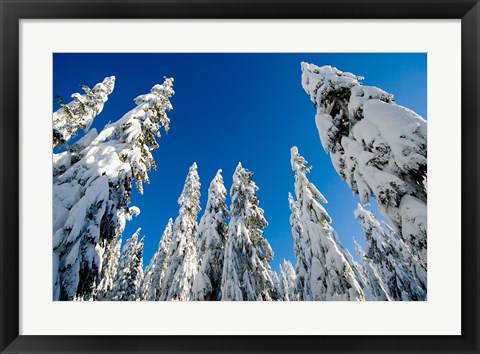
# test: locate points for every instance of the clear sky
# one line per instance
(231, 108)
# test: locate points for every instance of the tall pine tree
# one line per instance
(213, 232)
(129, 276)
(329, 275)
(388, 257)
(379, 148)
(246, 272)
(109, 270)
(155, 271)
(288, 281)
(303, 253)
(183, 261)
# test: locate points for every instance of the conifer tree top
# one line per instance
(189, 199)
(302, 184)
(216, 196)
(80, 113)
(320, 81)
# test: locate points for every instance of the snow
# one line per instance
(398, 128)
(414, 224)
(135, 211)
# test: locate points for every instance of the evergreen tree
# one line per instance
(376, 146)
(183, 261)
(79, 113)
(370, 282)
(330, 276)
(155, 271)
(303, 253)
(246, 272)
(130, 271)
(288, 281)
(276, 293)
(91, 197)
(109, 269)
(213, 232)
(386, 256)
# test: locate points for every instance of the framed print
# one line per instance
(239, 177)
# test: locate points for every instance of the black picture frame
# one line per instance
(12, 11)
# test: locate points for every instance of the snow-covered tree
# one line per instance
(183, 261)
(387, 257)
(130, 271)
(213, 232)
(246, 272)
(91, 192)
(110, 258)
(79, 113)
(302, 251)
(329, 275)
(379, 148)
(153, 275)
(276, 293)
(288, 281)
(370, 281)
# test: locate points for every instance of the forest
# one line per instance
(217, 251)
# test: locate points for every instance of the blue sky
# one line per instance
(231, 108)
